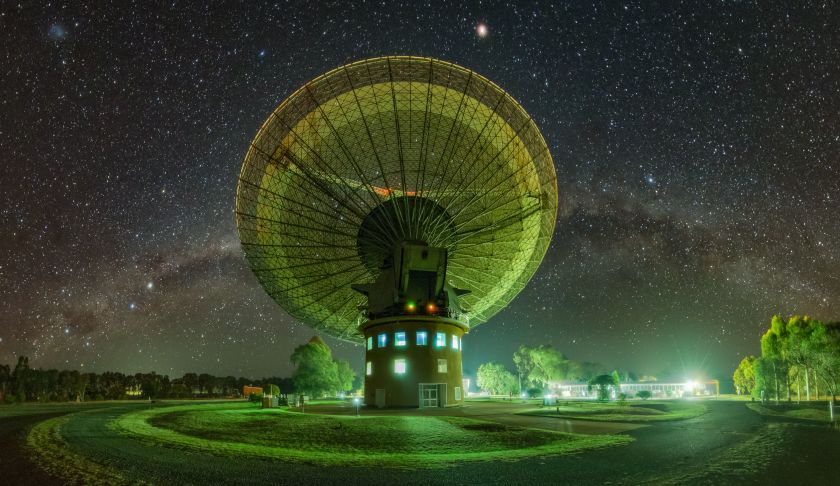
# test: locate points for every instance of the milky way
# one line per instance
(696, 149)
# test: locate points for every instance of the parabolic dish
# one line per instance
(463, 165)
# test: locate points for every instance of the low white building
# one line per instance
(656, 389)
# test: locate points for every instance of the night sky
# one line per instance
(696, 149)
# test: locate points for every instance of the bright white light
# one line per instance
(690, 386)
(356, 401)
(150, 285)
(481, 30)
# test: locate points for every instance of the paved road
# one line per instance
(15, 464)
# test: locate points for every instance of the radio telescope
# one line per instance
(398, 202)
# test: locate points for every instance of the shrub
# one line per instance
(622, 399)
(643, 394)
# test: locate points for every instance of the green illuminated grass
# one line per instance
(391, 441)
(55, 457)
(22, 409)
(657, 411)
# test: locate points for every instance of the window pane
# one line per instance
(399, 339)
(370, 342)
(399, 366)
(440, 340)
(383, 340)
(454, 342)
(369, 368)
(421, 338)
(442, 366)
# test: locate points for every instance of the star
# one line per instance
(481, 30)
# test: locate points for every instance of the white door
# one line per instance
(428, 396)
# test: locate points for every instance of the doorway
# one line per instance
(428, 395)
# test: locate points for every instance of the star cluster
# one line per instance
(696, 147)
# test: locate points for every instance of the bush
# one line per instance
(622, 399)
(644, 394)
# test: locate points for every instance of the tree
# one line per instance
(643, 394)
(344, 376)
(150, 384)
(317, 373)
(744, 377)
(550, 365)
(496, 379)
(798, 350)
(603, 383)
(524, 364)
(763, 374)
(22, 377)
(190, 380)
(771, 351)
(206, 383)
(825, 343)
(5, 381)
(543, 364)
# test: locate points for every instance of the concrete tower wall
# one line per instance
(441, 387)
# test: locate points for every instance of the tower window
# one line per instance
(382, 340)
(440, 340)
(399, 366)
(454, 342)
(422, 338)
(399, 340)
(369, 368)
(370, 343)
(442, 366)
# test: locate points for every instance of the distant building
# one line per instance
(656, 389)
(247, 390)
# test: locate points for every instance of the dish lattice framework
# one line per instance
(394, 127)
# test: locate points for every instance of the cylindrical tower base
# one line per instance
(414, 361)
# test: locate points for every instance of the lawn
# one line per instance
(807, 412)
(394, 441)
(647, 411)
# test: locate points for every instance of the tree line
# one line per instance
(25, 384)
(317, 374)
(537, 366)
(800, 355)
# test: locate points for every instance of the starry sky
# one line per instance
(696, 148)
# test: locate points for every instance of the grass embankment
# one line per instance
(391, 441)
(805, 412)
(654, 411)
(55, 457)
